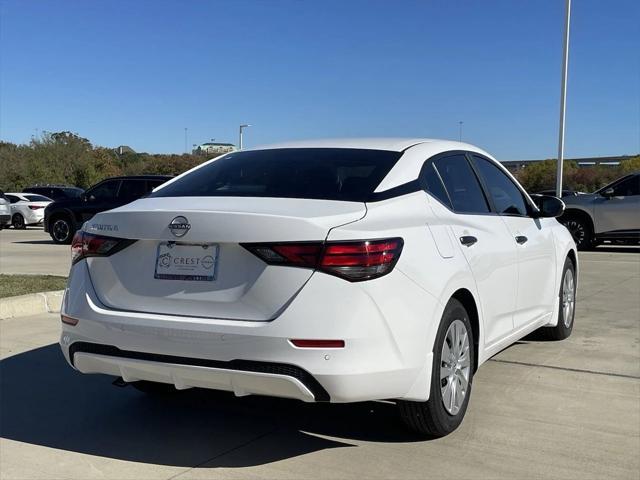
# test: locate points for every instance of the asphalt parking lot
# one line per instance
(566, 409)
(31, 251)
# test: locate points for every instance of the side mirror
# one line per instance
(548, 206)
(608, 193)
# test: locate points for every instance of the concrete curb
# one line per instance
(31, 304)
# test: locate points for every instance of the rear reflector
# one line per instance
(68, 320)
(318, 343)
(88, 245)
(352, 260)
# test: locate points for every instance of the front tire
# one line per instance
(580, 229)
(61, 230)
(451, 377)
(567, 308)
(18, 222)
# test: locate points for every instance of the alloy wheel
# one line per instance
(18, 222)
(577, 230)
(455, 367)
(60, 230)
(568, 297)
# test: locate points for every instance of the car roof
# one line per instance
(384, 143)
(138, 177)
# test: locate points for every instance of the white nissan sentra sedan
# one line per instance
(325, 271)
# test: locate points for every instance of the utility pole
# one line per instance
(563, 99)
(185, 140)
(242, 127)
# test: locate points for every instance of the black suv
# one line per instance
(63, 217)
(55, 192)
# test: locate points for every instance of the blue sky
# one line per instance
(139, 72)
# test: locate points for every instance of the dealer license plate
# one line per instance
(186, 261)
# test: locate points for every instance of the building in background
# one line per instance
(214, 147)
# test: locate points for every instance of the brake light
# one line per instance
(35, 207)
(88, 245)
(352, 260)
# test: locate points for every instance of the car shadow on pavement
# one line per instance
(44, 402)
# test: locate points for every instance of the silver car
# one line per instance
(610, 214)
(5, 211)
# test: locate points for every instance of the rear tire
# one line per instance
(154, 388)
(61, 230)
(452, 365)
(567, 307)
(18, 222)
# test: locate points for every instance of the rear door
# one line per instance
(483, 238)
(533, 239)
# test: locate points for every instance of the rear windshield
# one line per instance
(36, 198)
(316, 173)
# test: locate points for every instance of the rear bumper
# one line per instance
(387, 351)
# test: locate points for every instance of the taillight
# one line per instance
(352, 260)
(88, 245)
(35, 207)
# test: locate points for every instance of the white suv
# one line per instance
(326, 271)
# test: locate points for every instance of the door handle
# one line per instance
(468, 240)
(521, 239)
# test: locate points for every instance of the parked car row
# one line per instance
(63, 209)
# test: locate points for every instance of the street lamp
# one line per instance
(242, 127)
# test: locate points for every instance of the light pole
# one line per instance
(460, 133)
(563, 100)
(242, 127)
(185, 139)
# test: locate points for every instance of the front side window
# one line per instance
(461, 184)
(507, 197)
(346, 174)
(104, 192)
(628, 187)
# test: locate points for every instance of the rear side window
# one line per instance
(507, 197)
(13, 198)
(132, 190)
(432, 183)
(315, 173)
(461, 184)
